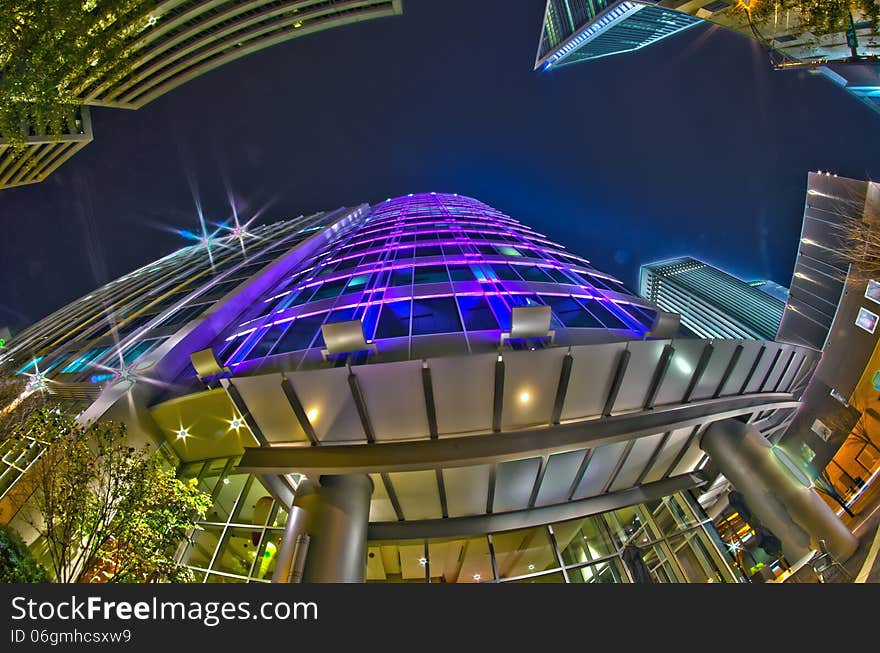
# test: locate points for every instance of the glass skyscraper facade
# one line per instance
(451, 380)
(711, 302)
(425, 265)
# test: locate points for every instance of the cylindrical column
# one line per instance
(284, 560)
(335, 516)
(783, 502)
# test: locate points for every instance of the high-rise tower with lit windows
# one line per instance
(422, 390)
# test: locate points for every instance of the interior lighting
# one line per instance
(312, 414)
(477, 577)
(524, 397)
(182, 434)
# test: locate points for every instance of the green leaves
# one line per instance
(108, 512)
(53, 51)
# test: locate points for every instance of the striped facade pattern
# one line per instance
(712, 303)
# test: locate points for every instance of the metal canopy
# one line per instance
(518, 431)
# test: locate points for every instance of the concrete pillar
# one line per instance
(334, 515)
(778, 496)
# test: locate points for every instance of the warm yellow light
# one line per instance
(525, 397)
(297, 24)
(312, 414)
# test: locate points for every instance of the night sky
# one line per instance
(694, 146)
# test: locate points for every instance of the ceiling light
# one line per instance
(423, 561)
(182, 433)
(524, 397)
(477, 576)
(225, 481)
(312, 414)
(236, 423)
(531, 567)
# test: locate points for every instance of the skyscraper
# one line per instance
(471, 400)
(180, 40)
(848, 54)
(712, 303)
(41, 154)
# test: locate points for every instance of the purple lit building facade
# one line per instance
(426, 265)
(471, 401)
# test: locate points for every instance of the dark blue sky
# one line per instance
(693, 146)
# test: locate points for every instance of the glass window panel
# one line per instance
(202, 547)
(572, 314)
(226, 498)
(523, 552)
(505, 272)
(301, 333)
(267, 554)
(342, 315)
(433, 250)
(83, 361)
(606, 316)
(584, 540)
(394, 320)
(559, 276)
(255, 506)
(430, 274)
(438, 315)
(332, 289)
(477, 314)
(461, 273)
(506, 250)
(401, 277)
(357, 282)
(265, 344)
(533, 273)
(609, 571)
(694, 559)
(238, 551)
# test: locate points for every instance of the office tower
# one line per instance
(711, 302)
(41, 154)
(179, 41)
(473, 403)
(583, 30)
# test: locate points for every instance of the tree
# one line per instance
(819, 17)
(17, 565)
(861, 246)
(50, 50)
(106, 511)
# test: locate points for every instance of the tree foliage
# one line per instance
(861, 246)
(17, 565)
(51, 49)
(107, 512)
(819, 16)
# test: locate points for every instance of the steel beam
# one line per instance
(491, 448)
(506, 521)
